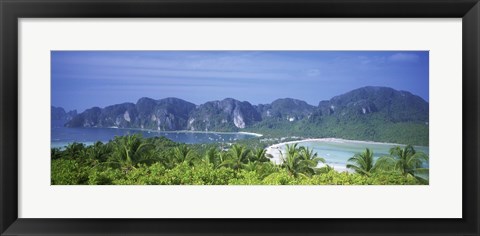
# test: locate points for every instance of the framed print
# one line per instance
(160, 117)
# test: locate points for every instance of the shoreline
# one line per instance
(334, 140)
(185, 131)
(251, 133)
(274, 149)
(60, 144)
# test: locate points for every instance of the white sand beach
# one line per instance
(250, 133)
(275, 149)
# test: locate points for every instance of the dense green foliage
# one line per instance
(371, 127)
(407, 161)
(285, 109)
(133, 160)
(363, 163)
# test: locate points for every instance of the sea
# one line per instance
(336, 152)
(61, 136)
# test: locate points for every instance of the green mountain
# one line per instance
(226, 115)
(163, 114)
(396, 106)
(285, 108)
(368, 113)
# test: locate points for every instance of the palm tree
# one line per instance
(362, 163)
(222, 157)
(407, 161)
(56, 153)
(300, 160)
(291, 161)
(212, 157)
(260, 155)
(98, 152)
(239, 156)
(130, 150)
(309, 160)
(251, 166)
(183, 154)
(74, 150)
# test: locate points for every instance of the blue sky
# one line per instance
(83, 79)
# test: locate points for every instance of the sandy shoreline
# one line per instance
(250, 133)
(274, 150)
(333, 140)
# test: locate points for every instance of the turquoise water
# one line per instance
(62, 136)
(337, 153)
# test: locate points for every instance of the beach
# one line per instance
(275, 150)
(250, 133)
(185, 131)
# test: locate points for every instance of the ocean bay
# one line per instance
(62, 136)
(336, 152)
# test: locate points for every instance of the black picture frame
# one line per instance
(12, 10)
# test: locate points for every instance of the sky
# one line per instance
(84, 79)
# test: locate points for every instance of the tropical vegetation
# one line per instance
(406, 161)
(134, 160)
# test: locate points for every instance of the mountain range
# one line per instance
(367, 109)
(58, 113)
